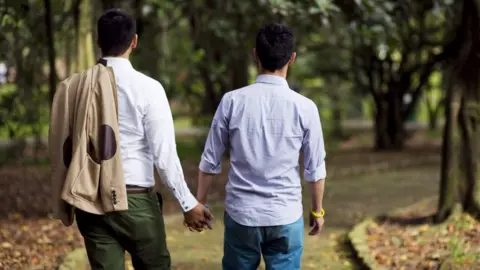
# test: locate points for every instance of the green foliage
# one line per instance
(201, 49)
(188, 149)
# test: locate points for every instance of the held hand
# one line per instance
(198, 218)
(317, 224)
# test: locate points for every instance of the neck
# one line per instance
(125, 56)
(281, 72)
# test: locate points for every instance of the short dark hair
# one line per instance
(116, 30)
(275, 44)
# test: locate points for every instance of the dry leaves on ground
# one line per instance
(28, 238)
(426, 246)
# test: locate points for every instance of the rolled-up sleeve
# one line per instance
(217, 140)
(313, 147)
(160, 134)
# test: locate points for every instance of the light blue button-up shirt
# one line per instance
(265, 125)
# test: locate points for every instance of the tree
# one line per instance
(52, 80)
(395, 46)
(460, 179)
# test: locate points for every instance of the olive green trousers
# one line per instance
(140, 231)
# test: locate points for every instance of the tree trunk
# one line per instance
(381, 119)
(337, 112)
(432, 112)
(432, 121)
(467, 66)
(239, 67)
(86, 55)
(74, 63)
(337, 130)
(448, 172)
(389, 126)
(51, 50)
(395, 127)
(469, 117)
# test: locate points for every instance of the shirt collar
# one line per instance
(118, 61)
(271, 79)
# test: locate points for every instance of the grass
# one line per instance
(189, 148)
(462, 253)
(183, 122)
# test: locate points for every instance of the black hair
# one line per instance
(116, 30)
(275, 44)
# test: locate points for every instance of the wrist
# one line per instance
(318, 214)
(202, 200)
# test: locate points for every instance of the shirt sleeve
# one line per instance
(217, 140)
(160, 134)
(313, 148)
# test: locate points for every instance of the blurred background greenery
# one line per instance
(199, 50)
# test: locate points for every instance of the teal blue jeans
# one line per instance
(281, 246)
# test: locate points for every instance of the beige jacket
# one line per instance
(84, 148)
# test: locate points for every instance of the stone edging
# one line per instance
(358, 239)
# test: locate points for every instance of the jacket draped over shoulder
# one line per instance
(87, 171)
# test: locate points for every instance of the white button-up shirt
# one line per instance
(147, 135)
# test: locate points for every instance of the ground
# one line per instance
(409, 239)
(360, 183)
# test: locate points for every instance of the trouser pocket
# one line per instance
(160, 201)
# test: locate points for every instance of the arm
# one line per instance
(204, 182)
(316, 191)
(314, 158)
(160, 133)
(215, 145)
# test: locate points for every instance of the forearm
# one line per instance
(204, 182)
(171, 174)
(316, 190)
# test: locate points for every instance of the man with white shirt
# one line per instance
(147, 137)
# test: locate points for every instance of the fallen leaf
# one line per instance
(424, 228)
(6, 245)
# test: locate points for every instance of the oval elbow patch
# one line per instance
(107, 142)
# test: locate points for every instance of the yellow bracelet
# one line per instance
(317, 215)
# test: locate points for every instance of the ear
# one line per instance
(292, 58)
(134, 41)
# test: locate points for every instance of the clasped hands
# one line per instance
(198, 219)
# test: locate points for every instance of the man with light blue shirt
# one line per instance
(266, 126)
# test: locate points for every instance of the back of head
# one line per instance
(275, 44)
(116, 30)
